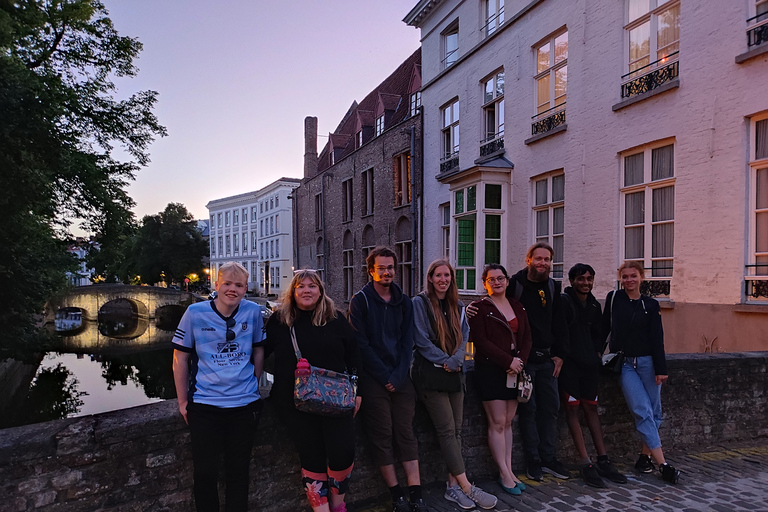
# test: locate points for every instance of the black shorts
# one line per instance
(578, 384)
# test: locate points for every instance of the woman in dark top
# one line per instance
(502, 339)
(326, 445)
(634, 321)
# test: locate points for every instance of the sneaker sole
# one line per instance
(616, 478)
(539, 479)
(555, 473)
(454, 500)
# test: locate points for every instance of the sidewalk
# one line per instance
(720, 479)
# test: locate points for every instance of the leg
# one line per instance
(595, 428)
(406, 447)
(447, 422)
(527, 420)
(547, 406)
(574, 427)
(377, 418)
(206, 450)
(339, 436)
(238, 443)
(496, 411)
(639, 402)
(508, 436)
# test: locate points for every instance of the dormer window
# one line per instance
(379, 125)
(359, 139)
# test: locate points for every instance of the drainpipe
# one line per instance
(421, 196)
(416, 224)
(327, 276)
(293, 197)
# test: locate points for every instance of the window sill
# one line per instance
(751, 308)
(400, 207)
(346, 221)
(540, 136)
(751, 54)
(366, 215)
(674, 84)
(490, 156)
(665, 303)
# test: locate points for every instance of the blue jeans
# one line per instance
(643, 396)
(538, 417)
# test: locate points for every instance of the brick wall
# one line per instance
(138, 459)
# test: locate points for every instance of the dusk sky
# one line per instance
(236, 79)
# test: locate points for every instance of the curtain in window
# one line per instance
(633, 169)
(761, 139)
(634, 235)
(761, 222)
(663, 235)
(662, 163)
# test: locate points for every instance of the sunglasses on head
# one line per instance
(230, 332)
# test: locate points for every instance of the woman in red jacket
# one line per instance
(502, 339)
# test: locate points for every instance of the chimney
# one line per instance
(310, 146)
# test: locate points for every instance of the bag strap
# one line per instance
(571, 307)
(295, 345)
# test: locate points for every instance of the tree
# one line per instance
(59, 126)
(167, 247)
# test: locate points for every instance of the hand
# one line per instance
(661, 379)
(516, 366)
(471, 311)
(558, 366)
(448, 368)
(358, 401)
(183, 410)
(390, 387)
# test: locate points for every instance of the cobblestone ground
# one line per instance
(719, 479)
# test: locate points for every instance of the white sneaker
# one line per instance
(481, 498)
(456, 495)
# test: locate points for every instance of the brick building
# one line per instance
(364, 188)
(659, 154)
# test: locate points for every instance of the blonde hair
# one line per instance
(325, 310)
(449, 335)
(635, 265)
(234, 267)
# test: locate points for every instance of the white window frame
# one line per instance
(245, 215)
(450, 45)
(757, 166)
(445, 215)
(236, 217)
(493, 15)
(553, 203)
(236, 243)
(449, 115)
(493, 106)
(466, 273)
(227, 219)
(656, 8)
(416, 102)
(404, 251)
(379, 128)
(554, 102)
(648, 185)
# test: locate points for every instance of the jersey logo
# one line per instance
(245, 326)
(227, 347)
(212, 329)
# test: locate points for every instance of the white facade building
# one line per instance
(625, 130)
(255, 229)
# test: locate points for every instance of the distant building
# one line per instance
(364, 189)
(255, 229)
(79, 248)
(625, 130)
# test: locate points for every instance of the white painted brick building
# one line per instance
(624, 129)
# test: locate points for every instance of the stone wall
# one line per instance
(138, 459)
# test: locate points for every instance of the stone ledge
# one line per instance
(751, 54)
(673, 84)
(544, 135)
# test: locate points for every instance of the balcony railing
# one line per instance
(758, 33)
(494, 22)
(548, 120)
(492, 144)
(449, 162)
(659, 73)
(756, 286)
(450, 58)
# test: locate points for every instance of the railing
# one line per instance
(756, 286)
(492, 144)
(487, 30)
(549, 119)
(658, 76)
(656, 287)
(758, 33)
(449, 162)
(449, 58)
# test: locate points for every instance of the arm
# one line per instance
(258, 361)
(258, 344)
(524, 337)
(181, 380)
(657, 342)
(422, 333)
(456, 361)
(357, 318)
(478, 326)
(606, 330)
(404, 346)
(351, 354)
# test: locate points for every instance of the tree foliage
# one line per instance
(59, 126)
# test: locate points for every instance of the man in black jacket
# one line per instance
(540, 295)
(580, 373)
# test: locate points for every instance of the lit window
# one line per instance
(402, 179)
(757, 266)
(450, 115)
(653, 34)
(551, 74)
(493, 107)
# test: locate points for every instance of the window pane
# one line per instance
(488, 91)
(561, 47)
(663, 240)
(637, 8)
(447, 117)
(493, 226)
(663, 162)
(558, 188)
(561, 79)
(542, 223)
(633, 242)
(543, 94)
(500, 84)
(668, 33)
(471, 198)
(471, 278)
(492, 251)
(446, 215)
(542, 58)
(633, 169)
(541, 192)
(558, 221)
(460, 278)
(455, 110)
(634, 209)
(762, 188)
(663, 204)
(761, 137)
(493, 196)
(761, 227)
(639, 46)
(459, 202)
(557, 245)
(661, 268)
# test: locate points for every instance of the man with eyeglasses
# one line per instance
(217, 362)
(382, 318)
(540, 294)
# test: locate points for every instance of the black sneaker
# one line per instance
(401, 505)
(644, 464)
(669, 473)
(556, 468)
(606, 469)
(419, 506)
(590, 476)
(534, 471)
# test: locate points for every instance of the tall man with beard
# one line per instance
(382, 318)
(540, 295)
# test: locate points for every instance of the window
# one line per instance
(218, 219)
(261, 207)
(379, 125)
(236, 217)
(228, 245)
(277, 248)
(213, 224)
(445, 210)
(653, 34)
(271, 203)
(404, 251)
(368, 243)
(226, 219)
(320, 258)
(402, 179)
(757, 267)
(493, 107)
(245, 215)
(261, 227)
(465, 207)
(551, 74)
(347, 258)
(494, 16)
(254, 271)
(221, 252)
(276, 280)
(549, 216)
(359, 139)
(271, 225)
(277, 204)
(346, 200)
(367, 192)
(236, 243)
(451, 45)
(254, 215)
(254, 240)
(213, 248)
(450, 114)
(318, 211)
(277, 223)
(261, 250)
(648, 196)
(416, 101)
(272, 249)
(244, 236)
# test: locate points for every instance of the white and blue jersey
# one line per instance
(221, 372)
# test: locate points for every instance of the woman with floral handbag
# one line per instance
(324, 340)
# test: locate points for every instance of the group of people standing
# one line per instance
(404, 350)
